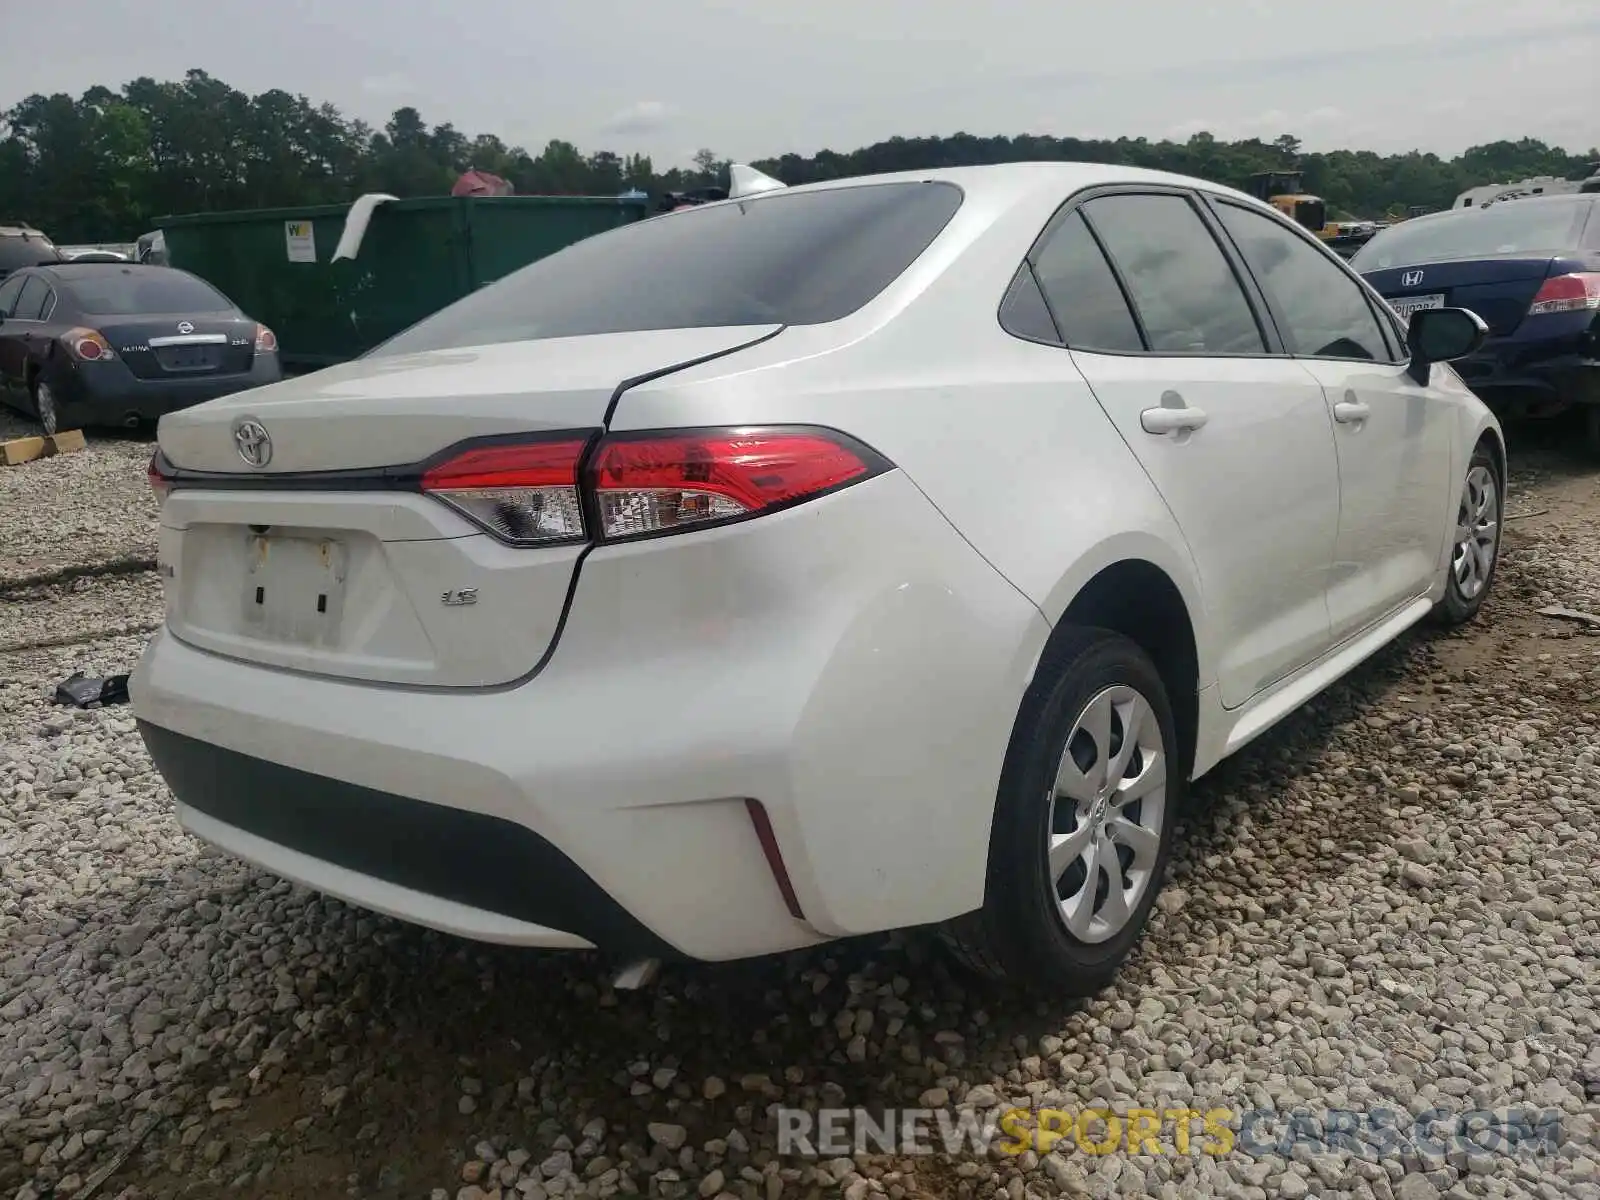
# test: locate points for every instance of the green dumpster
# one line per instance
(416, 257)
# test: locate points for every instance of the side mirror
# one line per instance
(1442, 335)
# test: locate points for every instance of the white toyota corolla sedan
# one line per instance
(879, 553)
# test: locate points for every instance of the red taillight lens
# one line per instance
(525, 494)
(1578, 292)
(660, 482)
(86, 345)
(266, 340)
(160, 484)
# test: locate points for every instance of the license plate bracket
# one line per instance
(1404, 306)
(294, 588)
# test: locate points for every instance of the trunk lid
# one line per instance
(178, 346)
(1499, 288)
(352, 575)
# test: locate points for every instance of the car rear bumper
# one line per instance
(1524, 373)
(107, 393)
(851, 664)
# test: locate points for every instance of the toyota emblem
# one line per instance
(254, 443)
(185, 327)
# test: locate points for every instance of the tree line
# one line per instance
(104, 165)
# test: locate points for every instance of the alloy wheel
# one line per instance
(1107, 811)
(1477, 537)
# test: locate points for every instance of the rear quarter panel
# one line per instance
(1003, 436)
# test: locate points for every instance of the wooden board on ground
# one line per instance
(21, 450)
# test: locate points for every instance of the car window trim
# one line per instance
(1212, 201)
(46, 312)
(1274, 346)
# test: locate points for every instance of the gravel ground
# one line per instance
(1388, 902)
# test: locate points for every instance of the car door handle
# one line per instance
(1172, 420)
(1350, 412)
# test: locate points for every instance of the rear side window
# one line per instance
(1187, 297)
(1325, 311)
(789, 258)
(132, 291)
(34, 293)
(1023, 312)
(9, 291)
(1082, 291)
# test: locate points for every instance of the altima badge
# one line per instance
(456, 597)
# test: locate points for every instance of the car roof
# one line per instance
(1017, 180)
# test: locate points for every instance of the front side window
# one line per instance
(1185, 292)
(783, 258)
(1325, 312)
(1082, 291)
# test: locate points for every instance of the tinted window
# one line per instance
(1539, 227)
(18, 252)
(1182, 286)
(9, 291)
(1083, 292)
(1023, 311)
(130, 291)
(793, 258)
(34, 293)
(1324, 311)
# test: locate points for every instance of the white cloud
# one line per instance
(387, 85)
(642, 116)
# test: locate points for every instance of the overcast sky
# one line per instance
(752, 78)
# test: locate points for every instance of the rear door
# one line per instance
(1235, 437)
(1394, 436)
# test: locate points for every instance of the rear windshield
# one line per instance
(1544, 227)
(17, 252)
(130, 291)
(791, 258)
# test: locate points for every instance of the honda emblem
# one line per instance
(1411, 279)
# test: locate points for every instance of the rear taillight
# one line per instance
(661, 482)
(536, 493)
(86, 345)
(160, 482)
(1578, 292)
(266, 340)
(525, 493)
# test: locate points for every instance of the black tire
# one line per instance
(1461, 602)
(1020, 934)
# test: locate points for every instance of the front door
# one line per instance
(1394, 436)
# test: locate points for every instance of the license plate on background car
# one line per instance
(1406, 305)
(294, 589)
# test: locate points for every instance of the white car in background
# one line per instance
(878, 553)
